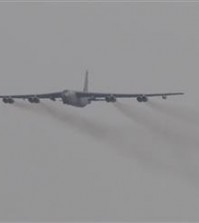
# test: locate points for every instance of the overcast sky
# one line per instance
(129, 161)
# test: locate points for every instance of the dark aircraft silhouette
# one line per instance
(82, 98)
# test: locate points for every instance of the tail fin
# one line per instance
(86, 82)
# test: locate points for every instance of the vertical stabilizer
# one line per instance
(86, 82)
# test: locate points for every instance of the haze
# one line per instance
(107, 162)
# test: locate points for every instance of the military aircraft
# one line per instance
(82, 98)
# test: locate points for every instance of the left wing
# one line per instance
(112, 97)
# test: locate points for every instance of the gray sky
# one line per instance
(136, 162)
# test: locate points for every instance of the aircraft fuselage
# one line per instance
(71, 98)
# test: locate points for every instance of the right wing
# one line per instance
(32, 97)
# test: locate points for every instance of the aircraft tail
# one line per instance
(86, 82)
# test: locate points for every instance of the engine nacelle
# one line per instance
(164, 97)
(142, 99)
(8, 100)
(139, 99)
(111, 99)
(35, 100)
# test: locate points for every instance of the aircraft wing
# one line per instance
(42, 96)
(34, 98)
(89, 94)
(100, 96)
(92, 96)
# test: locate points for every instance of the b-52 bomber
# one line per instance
(82, 98)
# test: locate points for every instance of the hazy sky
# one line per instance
(129, 161)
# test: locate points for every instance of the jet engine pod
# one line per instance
(5, 100)
(8, 100)
(111, 98)
(164, 97)
(34, 100)
(139, 99)
(142, 99)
